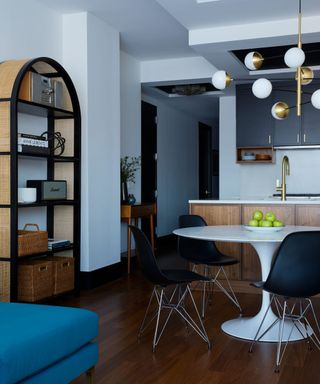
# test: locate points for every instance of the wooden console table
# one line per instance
(137, 211)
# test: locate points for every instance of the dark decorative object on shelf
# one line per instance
(124, 192)
(57, 142)
(131, 199)
(128, 166)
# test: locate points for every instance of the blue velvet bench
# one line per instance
(42, 344)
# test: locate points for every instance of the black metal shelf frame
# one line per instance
(52, 114)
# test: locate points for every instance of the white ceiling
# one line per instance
(147, 30)
(195, 15)
(158, 29)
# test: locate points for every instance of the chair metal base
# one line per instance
(299, 322)
(175, 303)
(214, 280)
(90, 375)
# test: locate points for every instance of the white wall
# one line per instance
(259, 180)
(229, 183)
(176, 69)
(130, 96)
(29, 30)
(177, 170)
(91, 55)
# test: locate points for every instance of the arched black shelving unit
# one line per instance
(13, 83)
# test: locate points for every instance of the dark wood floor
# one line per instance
(183, 358)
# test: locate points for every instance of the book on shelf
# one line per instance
(37, 141)
(55, 243)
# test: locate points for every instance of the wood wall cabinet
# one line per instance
(235, 214)
(223, 215)
(61, 217)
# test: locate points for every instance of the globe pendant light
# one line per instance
(221, 80)
(315, 99)
(294, 57)
(262, 88)
(253, 61)
(280, 110)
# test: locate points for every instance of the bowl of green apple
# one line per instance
(264, 223)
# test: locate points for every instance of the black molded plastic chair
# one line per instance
(175, 301)
(294, 277)
(201, 252)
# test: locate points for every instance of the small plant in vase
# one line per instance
(128, 165)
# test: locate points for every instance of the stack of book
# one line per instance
(33, 144)
(55, 244)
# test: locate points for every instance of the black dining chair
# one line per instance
(175, 300)
(294, 278)
(202, 252)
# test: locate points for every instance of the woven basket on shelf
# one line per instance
(63, 274)
(35, 280)
(31, 242)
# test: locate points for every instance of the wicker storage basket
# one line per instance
(31, 242)
(35, 280)
(63, 274)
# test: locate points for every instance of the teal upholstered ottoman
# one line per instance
(42, 344)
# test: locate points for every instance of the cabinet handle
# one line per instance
(304, 137)
(298, 138)
(269, 138)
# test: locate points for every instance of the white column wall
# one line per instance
(91, 56)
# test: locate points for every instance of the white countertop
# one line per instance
(262, 201)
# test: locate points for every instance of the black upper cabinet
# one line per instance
(254, 120)
(287, 131)
(310, 119)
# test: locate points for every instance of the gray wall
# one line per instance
(177, 164)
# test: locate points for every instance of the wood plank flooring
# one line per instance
(183, 358)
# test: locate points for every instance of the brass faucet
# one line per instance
(285, 172)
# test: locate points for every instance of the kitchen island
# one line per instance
(304, 212)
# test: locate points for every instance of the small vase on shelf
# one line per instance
(131, 199)
(124, 192)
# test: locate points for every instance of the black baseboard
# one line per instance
(93, 279)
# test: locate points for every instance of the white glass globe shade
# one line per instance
(253, 61)
(262, 88)
(294, 57)
(315, 99)
(219, 80)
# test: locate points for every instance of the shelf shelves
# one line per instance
(48, 203)
(58, 159)
(35, 109)
(61, 219)
(47, 253)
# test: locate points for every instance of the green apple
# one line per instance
(278, 223)
(266, 223)
(253, 223)
(257, 215)
(270, 216)
(260, 223)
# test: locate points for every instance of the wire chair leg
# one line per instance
(230, 294)
(154, 344)
(142, 326)
(281, 327)
(203, 307)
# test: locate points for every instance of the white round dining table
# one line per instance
(266, 244)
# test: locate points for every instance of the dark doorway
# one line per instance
(148, 159)
(205, 161)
